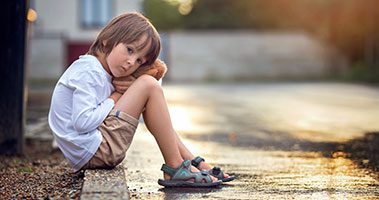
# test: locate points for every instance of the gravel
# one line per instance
(41, 173)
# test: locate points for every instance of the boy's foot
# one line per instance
(193, 169)
(187, 176)
(200, 163)
(207, 167)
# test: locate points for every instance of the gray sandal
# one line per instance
(183, 177)
(215, 171)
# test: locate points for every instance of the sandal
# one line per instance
(183, 177)
(215, 171)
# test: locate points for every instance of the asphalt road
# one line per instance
(282, 140)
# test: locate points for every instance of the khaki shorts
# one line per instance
(117, 130)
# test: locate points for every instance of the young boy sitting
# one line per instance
(94, 124)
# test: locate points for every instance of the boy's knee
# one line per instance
(149, 82)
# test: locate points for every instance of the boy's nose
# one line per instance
(132, 60)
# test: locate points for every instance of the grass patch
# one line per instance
(360, 72)
(25, 170)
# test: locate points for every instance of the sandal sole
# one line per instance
(228, 179)
(170, 183)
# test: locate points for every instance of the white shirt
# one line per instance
(79, 104)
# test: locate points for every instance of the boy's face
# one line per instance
(124, 59)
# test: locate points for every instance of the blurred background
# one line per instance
(218, 40)
(274, 72)
(246, 46)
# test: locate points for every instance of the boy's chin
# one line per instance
(117, 74)
(120, 75)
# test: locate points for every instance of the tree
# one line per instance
(13, 18)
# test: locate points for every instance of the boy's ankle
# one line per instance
(174, 164)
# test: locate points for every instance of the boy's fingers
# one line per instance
(124, 78)
(121, 89)
(117, 82)
(122, 82)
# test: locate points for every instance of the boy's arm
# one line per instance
(115, 96)
(121, 84)
(87, 112)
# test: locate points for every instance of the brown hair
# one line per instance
(127, 28)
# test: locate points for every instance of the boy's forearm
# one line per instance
(115, 96)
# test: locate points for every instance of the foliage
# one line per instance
(163, 15)
(350, 25)
(360, 72)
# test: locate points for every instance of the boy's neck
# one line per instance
(102, 59)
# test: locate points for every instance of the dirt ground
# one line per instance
(42, 173)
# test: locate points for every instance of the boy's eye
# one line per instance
(139, 61)
(130, 50)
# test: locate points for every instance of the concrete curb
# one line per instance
(112, 184)
(105, 184)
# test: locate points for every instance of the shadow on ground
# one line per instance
(364, 151)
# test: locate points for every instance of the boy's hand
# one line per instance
(121, 84)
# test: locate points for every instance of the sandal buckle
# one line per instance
(216, 170)
(204, 173)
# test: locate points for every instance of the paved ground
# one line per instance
(283, 141)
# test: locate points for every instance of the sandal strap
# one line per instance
(167, 169)
(196, 161)
(172, 171)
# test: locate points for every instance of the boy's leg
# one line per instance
(146, 93)
(187, 155)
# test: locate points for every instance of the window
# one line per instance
(95, 13)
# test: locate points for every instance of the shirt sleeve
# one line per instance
(88, 112)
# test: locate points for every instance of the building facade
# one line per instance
(65, 29)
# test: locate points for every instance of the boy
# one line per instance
(94, 125)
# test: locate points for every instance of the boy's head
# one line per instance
(127, 28)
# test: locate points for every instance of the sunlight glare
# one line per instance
(185, 8)
(32, 15)
(180, 118)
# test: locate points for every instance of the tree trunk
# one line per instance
(12, 51)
